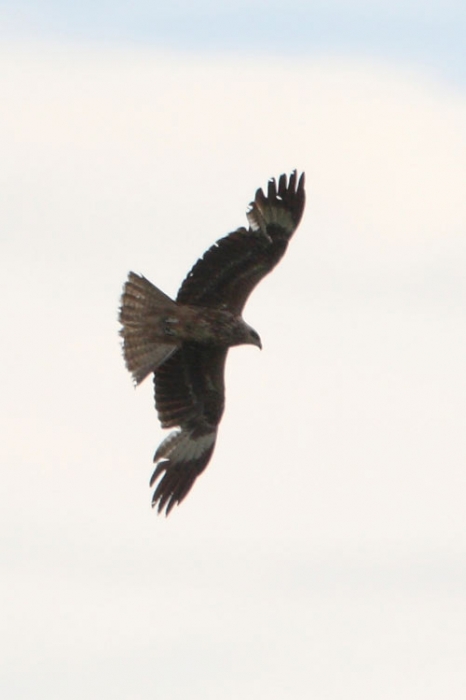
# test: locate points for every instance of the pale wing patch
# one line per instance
(280, 217)
(261, 217)
(168, 445)
(181, 446)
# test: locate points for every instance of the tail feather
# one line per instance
(146, 341)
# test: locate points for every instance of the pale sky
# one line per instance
(323, 553)
(426, 33)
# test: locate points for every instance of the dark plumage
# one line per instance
(185, 343)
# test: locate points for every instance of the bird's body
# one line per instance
(185, 342)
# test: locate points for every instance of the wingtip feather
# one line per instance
(181, 457)
(282, 207)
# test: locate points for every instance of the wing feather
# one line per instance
(228, 272)
(189, 394)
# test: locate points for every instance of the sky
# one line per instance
(429, 34)
(323, 552)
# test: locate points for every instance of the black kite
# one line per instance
(185, 342)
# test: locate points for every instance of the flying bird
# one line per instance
(184, 343)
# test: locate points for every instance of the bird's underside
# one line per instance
(184, 343)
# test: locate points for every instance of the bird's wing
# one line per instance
(189, 394)
(228, 272)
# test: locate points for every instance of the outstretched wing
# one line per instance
(189, 394)
(228, 272)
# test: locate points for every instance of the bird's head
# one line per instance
(234, 331)
(252, 337)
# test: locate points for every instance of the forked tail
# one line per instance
(146, 334)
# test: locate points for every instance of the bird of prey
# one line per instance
(184, 343)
